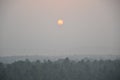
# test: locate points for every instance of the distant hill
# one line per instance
(10, 59)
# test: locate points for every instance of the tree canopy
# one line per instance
(62, 69)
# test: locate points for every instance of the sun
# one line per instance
(60, 22)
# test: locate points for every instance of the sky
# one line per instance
(29, 27)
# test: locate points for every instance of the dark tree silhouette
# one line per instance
(62, 69)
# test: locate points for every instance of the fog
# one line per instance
(29, 27)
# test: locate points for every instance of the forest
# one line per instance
(62, 69)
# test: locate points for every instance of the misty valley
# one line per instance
(59, 39)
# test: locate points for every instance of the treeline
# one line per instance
(63, 69)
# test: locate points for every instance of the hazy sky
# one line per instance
(29, 27)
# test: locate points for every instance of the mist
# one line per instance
(29, 27)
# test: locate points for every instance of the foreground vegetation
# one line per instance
(63, 69)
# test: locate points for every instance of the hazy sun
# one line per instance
(60, 22)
